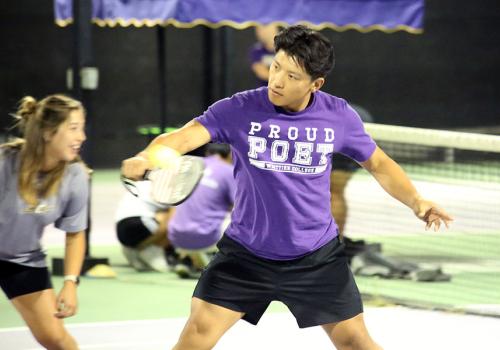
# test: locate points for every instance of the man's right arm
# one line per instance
(189, 137)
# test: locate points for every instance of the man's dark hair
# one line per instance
(311, 50)
(221, 149)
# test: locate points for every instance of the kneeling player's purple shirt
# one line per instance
(197, 223)
(282, 163)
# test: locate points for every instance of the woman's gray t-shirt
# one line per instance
(22, 225)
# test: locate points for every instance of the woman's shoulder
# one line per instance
(8, 153)
(11, 147)
(78, 170)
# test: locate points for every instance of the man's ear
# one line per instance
(317, 84)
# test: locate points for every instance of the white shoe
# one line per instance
(132, 256)
(154, 257)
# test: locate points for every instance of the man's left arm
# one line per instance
(394, 181)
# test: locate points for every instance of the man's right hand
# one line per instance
(134, 168)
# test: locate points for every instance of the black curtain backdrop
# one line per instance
(448, 77)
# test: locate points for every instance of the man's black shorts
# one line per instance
(16, 280)
(341, 162)
(318, 288)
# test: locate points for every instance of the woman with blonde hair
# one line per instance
(42, 182)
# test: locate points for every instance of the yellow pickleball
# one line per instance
(162, 156)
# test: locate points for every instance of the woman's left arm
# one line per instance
(67, 300)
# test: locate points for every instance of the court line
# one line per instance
(393, 327)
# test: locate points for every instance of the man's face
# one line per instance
(290, 86)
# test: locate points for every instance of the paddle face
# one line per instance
(172, 185)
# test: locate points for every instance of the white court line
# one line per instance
(127, 323)
(395, 328)
(120, 346)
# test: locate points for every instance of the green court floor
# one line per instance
(472, 259)
(129, 296)
(151, 295)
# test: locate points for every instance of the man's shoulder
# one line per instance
(246, 98)
(331, 101)
(253, 94)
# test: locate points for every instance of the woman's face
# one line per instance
(65, 144)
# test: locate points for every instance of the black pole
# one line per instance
(208, 66)
(82, 57)
(225, 48)
(77, 57)
(162, 73)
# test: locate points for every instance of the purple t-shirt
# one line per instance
(196, 223)
(282, 166)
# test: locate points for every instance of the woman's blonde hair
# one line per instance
(36, 120)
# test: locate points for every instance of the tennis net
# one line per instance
(459, 171)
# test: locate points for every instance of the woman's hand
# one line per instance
(67, 300)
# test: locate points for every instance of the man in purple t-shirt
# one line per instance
(282, 243)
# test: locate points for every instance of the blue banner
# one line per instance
(362, 15)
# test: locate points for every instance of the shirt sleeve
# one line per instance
(75, 213)
(220, 119)
(357, 144)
